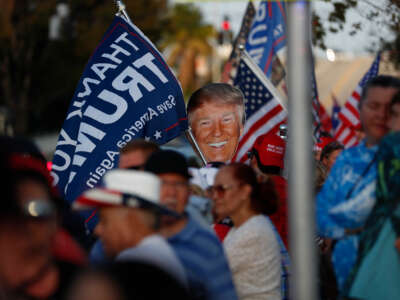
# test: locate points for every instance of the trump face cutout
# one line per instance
(217, 127)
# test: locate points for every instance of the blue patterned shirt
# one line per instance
(205, 263)
(337, 212)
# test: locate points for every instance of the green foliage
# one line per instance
(186, 37)
(379, 12)
(319, 32)
(185, 23)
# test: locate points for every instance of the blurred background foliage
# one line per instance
(38, 73)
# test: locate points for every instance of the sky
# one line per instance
(214, 11)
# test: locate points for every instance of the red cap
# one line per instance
(271, 149)
(324, 141)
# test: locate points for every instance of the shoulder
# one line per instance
(195, 236)
(345, 162)
(256, 230)
(258, 223)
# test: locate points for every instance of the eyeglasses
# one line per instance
(220, 189)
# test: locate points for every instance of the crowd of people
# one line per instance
(169, 230)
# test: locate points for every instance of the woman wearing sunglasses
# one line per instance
(251, 246)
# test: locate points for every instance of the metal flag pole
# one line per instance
(192, 140)
(121, 10)
(301, 196)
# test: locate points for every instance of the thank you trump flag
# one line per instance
(126, 92)
(267, 35)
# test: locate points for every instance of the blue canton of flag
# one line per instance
(335, 113)
(264, 112)
(267, 35)
(321, 119)
(126, 92)
(372, 72)
(315, 106)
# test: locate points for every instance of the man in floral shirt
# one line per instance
(348, 194)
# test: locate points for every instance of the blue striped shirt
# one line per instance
(205, 263)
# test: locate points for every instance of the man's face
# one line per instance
(217, 128)
(136, 158)
(174, 191)
(394, 118)
(374, 113)
(26, 243)
(114, 229)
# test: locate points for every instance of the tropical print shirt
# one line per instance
(344, 203)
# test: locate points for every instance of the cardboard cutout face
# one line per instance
(217, 128)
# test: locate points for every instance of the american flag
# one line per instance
(321, 119)
(264, 109)
(349, 115)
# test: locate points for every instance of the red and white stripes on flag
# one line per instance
(347, 135)
(349, 116)
(350, 113)
(264, 109)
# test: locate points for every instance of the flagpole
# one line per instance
(301, 196)
(192, 140)
(121, 10)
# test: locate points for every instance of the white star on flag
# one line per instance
(157, 135)
(147, 138)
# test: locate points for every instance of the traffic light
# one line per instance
(225, 34)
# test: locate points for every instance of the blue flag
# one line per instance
(267, 34)
(126, 92)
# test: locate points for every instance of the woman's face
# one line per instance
(228, 194)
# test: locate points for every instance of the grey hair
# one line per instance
(222, 93)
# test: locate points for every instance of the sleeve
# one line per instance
(255, 259)
(329, 196)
